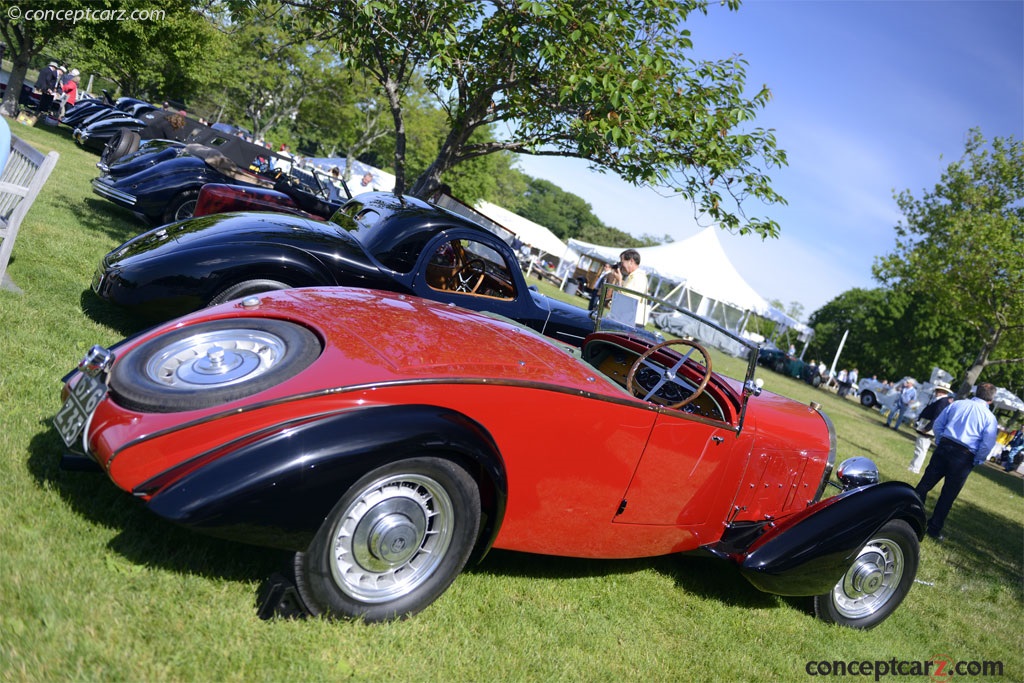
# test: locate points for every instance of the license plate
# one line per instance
(76, 410)
(97, 279)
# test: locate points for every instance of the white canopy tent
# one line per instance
(378, 181)
(528, 232)
(706, 282)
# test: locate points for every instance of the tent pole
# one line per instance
(832, 371)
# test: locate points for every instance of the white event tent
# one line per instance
(705, 280)
(528, 232)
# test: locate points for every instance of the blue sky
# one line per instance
(868, 98)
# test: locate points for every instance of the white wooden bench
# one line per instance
(23, 176)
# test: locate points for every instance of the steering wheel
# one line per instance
(473, 268)
(669, 375)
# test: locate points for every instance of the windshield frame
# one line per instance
(748, 348)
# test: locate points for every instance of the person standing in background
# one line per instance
(965, 432)
(925, 422)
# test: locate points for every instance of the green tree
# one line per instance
(960, 247)
(153, 57)
(345, 117)
(605, 81)
(275, 65)
(891, 334)
(563, 213)
(27, 39)
(569, 216)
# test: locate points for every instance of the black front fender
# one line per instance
(277, 487)
(809, 553)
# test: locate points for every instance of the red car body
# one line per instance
(563, 459)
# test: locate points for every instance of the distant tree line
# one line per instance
(452, 91)
(953, 289)
(446, 91)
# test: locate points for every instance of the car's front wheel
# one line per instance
(867, 399)
(874, 586)
(393, 543)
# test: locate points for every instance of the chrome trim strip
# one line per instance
(831, 462)
(103, 189)
(633, 403)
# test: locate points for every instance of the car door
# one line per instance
(688, 473)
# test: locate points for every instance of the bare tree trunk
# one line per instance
(974, 372)
(14, 83)
(430, 181)
(395, 103)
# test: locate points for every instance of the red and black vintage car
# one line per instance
(388, 440)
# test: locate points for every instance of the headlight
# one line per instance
(856, 472)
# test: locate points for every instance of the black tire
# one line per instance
(867, 399)
(211, 363)
(124, 142)
(875, 585)
(181, 207)
(393, 543)
(246, 288)
(816, 381)
(780, 366)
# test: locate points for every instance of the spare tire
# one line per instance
(211, 363)
(124, 142)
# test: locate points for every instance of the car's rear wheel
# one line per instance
(867, 399)
(247, 288)
(393, 543)
(211, 363)
(874, 586)
(182, 206)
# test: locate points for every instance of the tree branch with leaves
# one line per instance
(607, 81)
(961, 245)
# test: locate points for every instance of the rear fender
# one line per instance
(292, 266)
(276, 488)
(808, 553)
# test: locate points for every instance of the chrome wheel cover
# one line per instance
(872, 581)
(391, 538)
(216, 359)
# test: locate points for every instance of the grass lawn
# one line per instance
(92, 587)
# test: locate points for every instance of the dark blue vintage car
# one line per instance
(162, 183)
(148, 153)
(104, 123)
(781, 362)
(376, 240)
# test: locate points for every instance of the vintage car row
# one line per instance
(388, 441)
(784, 364)
(161, 182)
(376, 240)
(101, 125)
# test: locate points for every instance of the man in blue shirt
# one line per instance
(965, 433)
(898, 413)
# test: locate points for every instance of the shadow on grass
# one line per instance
(701, 576)
(143, 538)
(110, 315)
(103, 217)
(986, 545)
(996, 475)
